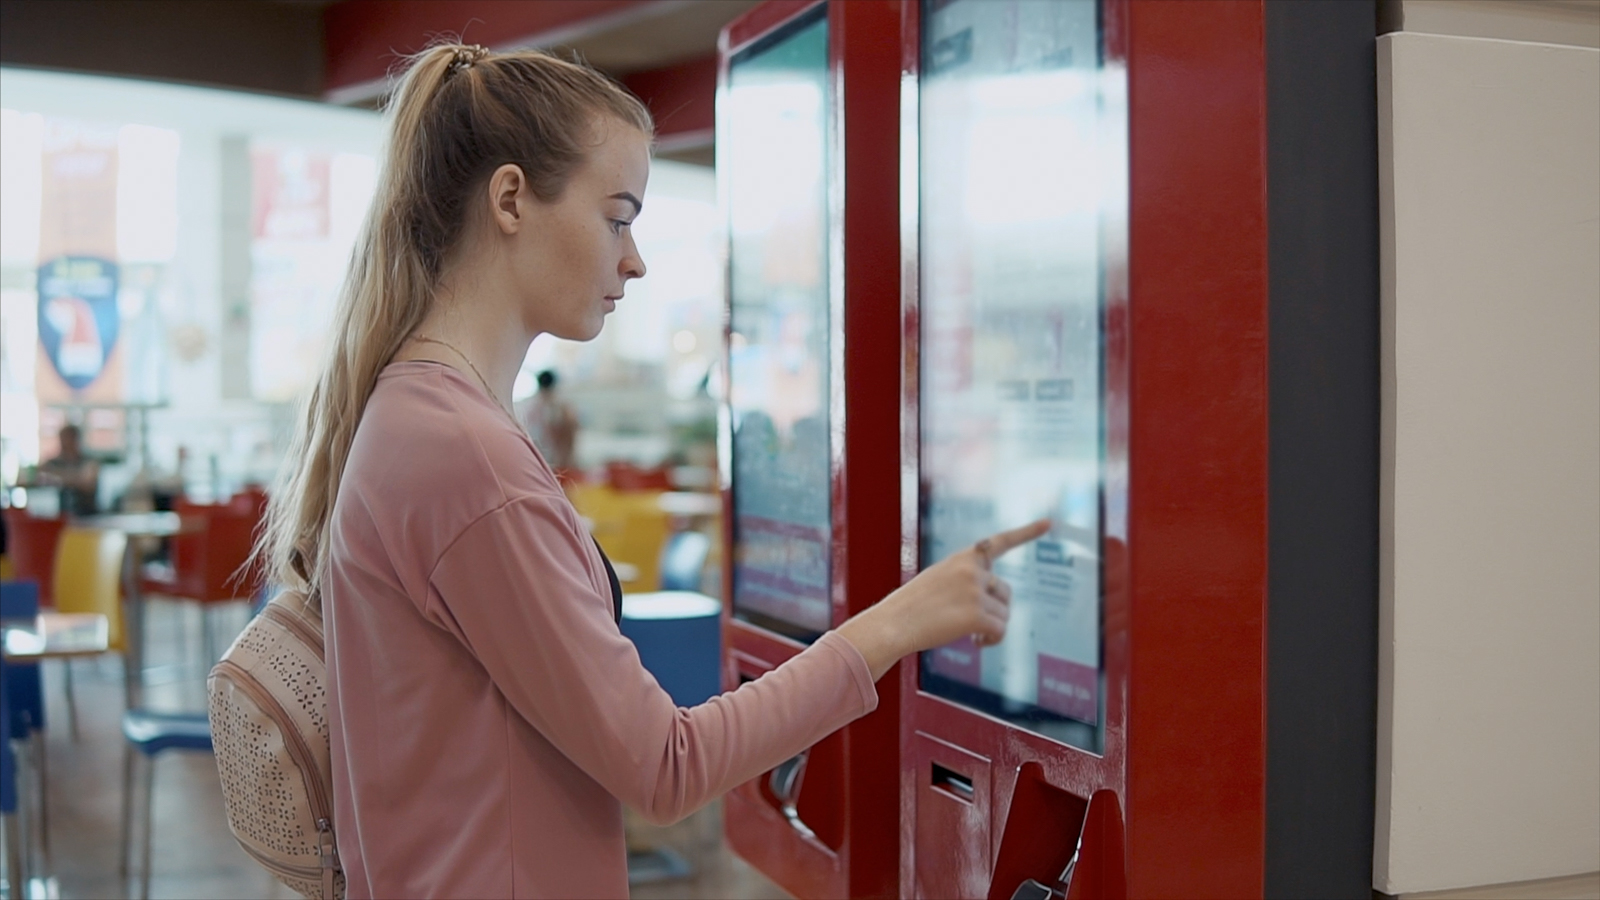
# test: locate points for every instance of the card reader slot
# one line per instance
(953, 783)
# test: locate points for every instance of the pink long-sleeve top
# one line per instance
(488, 719)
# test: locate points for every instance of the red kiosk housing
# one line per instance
(807, 147)
(1134, 764)
(1069, 198)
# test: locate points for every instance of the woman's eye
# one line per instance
(618, 224)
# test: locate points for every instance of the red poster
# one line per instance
(290, 195)
(79, 356)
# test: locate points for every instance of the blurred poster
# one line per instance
(290, 193)
(79, 359)
(293, 272)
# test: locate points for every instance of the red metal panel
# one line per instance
(851, 779)
(1198, 449)
(867, 491)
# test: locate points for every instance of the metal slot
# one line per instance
(953, 783)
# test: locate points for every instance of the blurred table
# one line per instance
(135, 525)
(53, 635)
(29, 639)
(690, 503)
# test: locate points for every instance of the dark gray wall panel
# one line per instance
(1323, 502)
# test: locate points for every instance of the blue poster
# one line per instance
(78, 316)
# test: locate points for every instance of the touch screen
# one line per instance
(774, 150)
(1023, 171)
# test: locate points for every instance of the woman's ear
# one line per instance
(508, 195)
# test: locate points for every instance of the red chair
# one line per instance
(32, 549)
(209, 558)
(625, 476)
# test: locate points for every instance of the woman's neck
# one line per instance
(486, 334)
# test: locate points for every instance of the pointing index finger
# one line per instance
(1006, 541)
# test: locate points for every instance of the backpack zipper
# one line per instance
(321, 809)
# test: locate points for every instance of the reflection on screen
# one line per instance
(1023, 172)
(774, 147)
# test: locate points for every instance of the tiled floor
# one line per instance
(194, 855)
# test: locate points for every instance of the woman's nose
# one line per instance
(633, 264)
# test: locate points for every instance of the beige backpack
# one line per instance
(269, 726)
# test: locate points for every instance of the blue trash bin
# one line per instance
(679, 637)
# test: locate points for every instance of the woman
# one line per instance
(488, 719)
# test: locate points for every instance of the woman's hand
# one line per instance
(956, 597)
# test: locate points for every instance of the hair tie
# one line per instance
(467, 54)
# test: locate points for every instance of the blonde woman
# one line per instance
(488, 718)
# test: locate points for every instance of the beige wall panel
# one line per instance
(1489, 706)
(1575, 22)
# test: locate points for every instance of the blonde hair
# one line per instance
(457, 114)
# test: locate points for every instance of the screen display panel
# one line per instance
(1023, 170)
(774, 150)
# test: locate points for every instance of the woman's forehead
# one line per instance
(620, 162)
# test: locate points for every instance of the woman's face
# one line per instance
(570, 267)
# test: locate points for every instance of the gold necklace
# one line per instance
(481, 380)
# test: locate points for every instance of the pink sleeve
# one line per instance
(515, 589)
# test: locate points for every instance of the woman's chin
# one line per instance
(581, 331)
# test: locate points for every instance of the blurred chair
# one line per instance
(251, 500)
(32, 549)
(209, 560)
(23, 718)
(20, 600)
(150, 734)
(630, 525)
(683, 561)
(24, 693)
(15, 877)
(88, 579)
(625, 476)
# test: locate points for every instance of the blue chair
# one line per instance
(683, 561)
(20, 600)
(149, 734)
(24, 693)
(8, 807)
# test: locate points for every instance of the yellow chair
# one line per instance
(630, 525)
(88, 575)
(88, 579)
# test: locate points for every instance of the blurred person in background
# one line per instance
(167, 488)
(76, 475)
(551, 422)
(487, 717)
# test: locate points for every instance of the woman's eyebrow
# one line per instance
(628, 196)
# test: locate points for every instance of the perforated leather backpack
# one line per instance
(269, 725)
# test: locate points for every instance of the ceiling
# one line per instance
(687, 31)
(276, 45)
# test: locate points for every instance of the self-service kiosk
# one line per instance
(1068, 198)
(1083, 201)
(807, 160)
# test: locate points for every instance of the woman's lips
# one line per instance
(611, 303)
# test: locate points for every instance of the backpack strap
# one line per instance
(616, 585)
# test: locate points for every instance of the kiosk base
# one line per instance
(1056, 846)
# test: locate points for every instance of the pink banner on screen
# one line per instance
(960, 660)
(1069, 688)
